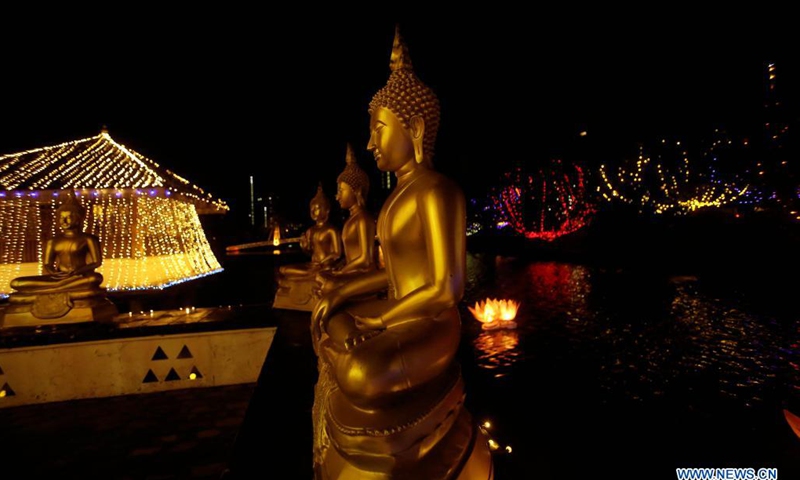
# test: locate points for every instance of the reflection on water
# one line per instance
(553, 296)
(498, 349)
(647, 337)
(559, 287)
(742, 350)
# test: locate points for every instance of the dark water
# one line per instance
(634, 372)
(628, 371)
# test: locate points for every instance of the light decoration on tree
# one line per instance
(667, 184)
(146, 218)
(545, 205)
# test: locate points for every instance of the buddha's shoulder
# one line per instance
(434, 182)
(363, 216)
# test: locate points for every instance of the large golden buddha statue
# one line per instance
(390, 399)
(358, 233)
(68, 291)
(296, 282)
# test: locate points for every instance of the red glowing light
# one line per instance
(546, 205)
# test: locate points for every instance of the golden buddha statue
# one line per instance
(68, 291)
(323, 242)
(358, 233)
(390, 399)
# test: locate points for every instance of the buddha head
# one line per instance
(320, 207)
(404, 115)
(70, 214)
(353, 182)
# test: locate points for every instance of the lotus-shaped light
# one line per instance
(494, 313)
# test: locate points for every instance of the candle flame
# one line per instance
(276, 236)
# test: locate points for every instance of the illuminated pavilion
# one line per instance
(145, 215)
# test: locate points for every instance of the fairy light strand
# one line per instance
(543, 206)
(95, 162)
(146, 217)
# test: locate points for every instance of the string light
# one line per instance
(546, 205)
(665, 186)
(151, 238)
(96, 162)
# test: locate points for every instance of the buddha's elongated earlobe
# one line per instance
(417, 130)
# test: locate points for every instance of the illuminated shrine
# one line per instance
(145, 215)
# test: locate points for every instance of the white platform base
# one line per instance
(124, 366)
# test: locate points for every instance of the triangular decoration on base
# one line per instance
(160, 355)
(150, 377)
(195, 374)
(6, 391)
(1, 371)
(172, 375)
(185, 353)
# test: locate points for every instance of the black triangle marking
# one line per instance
(1, 371)
(196, 372)
(185, 353)
(6, 391)
(172, 375)
(160, 355)
(150, 377)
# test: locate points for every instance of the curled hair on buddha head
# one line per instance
(406, 96)
(324, 205)
(71, 204)
(354, 176)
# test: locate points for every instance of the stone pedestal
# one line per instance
(296, 294)
(57, 308)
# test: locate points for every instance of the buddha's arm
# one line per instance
(94, 256)
(366, 238)
(305, 241)
(371, 282)
(336, 247)
(442, 212)
(48, 259)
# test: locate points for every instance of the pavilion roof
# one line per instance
(97, 162)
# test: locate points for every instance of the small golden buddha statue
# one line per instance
(358, 233)
(68, 291)
(323, 242)
(391, 404)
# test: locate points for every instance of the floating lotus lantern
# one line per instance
(493, 313)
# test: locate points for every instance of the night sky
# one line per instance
(219, 96)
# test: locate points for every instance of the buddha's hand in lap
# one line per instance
(322, 310)
(368, 323)
(359, 337)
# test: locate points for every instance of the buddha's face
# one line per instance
(318, 212)
(389, 141)
(346, 196)
(67, 219)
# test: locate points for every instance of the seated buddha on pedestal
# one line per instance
(296, 282)
(68, 290)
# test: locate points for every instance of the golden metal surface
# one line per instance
(296, 282)
(393, 402)
(358, 233)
